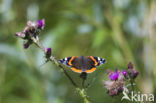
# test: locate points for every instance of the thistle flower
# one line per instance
(27, 44)
(41, 23)
(114, 87)
(48, 52)
(130, 65)
(132, 72)
(124, 72)
(117, 81)
(31, 31)
(135, 74)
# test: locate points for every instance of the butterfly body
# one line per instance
(81, 64)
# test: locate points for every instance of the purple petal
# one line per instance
(41, 23)
(48, 52)
(20, 34)
(135, 74)
(124, 72)
(26, 45)
(114, 75)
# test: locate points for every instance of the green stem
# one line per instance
(83, 94)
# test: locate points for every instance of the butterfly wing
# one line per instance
(98, 61)
(73, 62)
(94, 62)
(66, 61)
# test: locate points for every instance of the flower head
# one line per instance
(48, 52)
(31, 29)
(31, 32)
(117, 82)
(130, 65)
(132, 72)
(27, 44)
(115, 86)
(124, 72)
(135, 74)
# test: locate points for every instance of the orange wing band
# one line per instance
(76, 70)
(91, 70)
(96, 63)
(71, 61)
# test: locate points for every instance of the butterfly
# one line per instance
(83, 64)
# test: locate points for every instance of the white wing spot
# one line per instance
(99, 58)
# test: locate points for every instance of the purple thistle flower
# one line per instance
(48, 52)
(26, 45)
(131, 71)
(118, 80)
(130, 65)
(32, 29)
(41, 23)
(124, 72)
(135, 74)
(115, 87)
(114, 75)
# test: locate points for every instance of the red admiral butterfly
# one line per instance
(83, 64)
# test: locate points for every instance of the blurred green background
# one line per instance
(118, 30)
